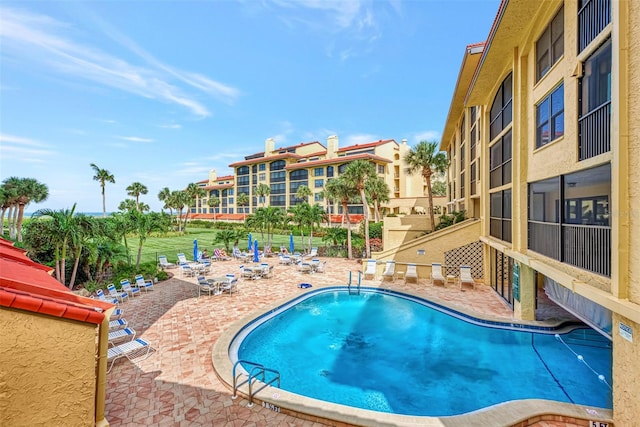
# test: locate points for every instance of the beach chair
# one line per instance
(136, 349)
(436, 274)
(126, 334)
(321, 267)
(115, 325)
(186, 271)
(370, 272)
(304, 267)
(266, 270)
(126, 287)
(389, 271)
(117, 314)
(164, 264)
(102, 297)
(466, 277)
(182, 259)
(113, 292)
(411, 274)
(217, 253)
(143, 284)
(313, 253)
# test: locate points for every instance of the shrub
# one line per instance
(375, 244)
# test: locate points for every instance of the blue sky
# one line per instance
(161, 92)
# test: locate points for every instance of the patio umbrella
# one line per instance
(256, 258)
(290, 243)
(195, 249)
(249, 245)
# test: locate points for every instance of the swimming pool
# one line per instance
(389, 352)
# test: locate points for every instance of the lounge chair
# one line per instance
(466, 277)
(143, 284)
(304, 267)
(117, 314)
(389, 271)
(313, 253)
(164, 264)
(126, 334)
(436, 274)
(113, 292)
(135, 349)
(411, 274)
(101, 296)
(217, 253)
(115, 325)
(321, 267)
(266, 270)
(370, 272)
(284, 259)
(126, 286)
(186, 270)
(248, 273)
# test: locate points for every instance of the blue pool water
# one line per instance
(392, 353)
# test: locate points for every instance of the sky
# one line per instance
(162, 92)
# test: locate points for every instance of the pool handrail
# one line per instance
(256, 370)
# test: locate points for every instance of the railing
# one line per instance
(587, 247)
(544, 238)
(257, 370)
(595, 132)
(592, 18)
(354, 289)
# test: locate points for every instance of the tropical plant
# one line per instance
(144, 225)
(341, 191)
(300, 217)
(194, 191)
(315, 216)
(227, 236)
(303, 193)
(128, 205)
(135, 190)
(163, 196)
(212, 203)
(425, 159)
(21, 192)
(103, 176)
(439, 188)
(266, 220)
(81, 235)
(262, 191)
(358, 173)
(335, 235)
(377, 190)
(243, 200)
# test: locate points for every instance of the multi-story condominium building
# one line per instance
(543, 142)
(310, 164)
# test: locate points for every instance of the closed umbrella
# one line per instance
(195, 249)
(256, 257)
(290, 243)
(249, 245)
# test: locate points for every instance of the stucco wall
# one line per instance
(626, 375)
(47, 371)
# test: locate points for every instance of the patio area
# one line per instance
(176, 384)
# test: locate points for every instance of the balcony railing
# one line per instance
(588, 247)
(592, 18)
(544, 238)
(595, 132)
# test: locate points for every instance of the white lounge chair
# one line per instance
(436, 274)
(466, 277)
(186, 270)
(411, 274)
(313, 253)
(135, 349)
(113, 292)
(101, 296)
(115, 325)
(143, 284)
(370, 272)
(126, 286)
(321, 267)
(182, 259)
(117, 314)
(126, 334)
(389, 271)
(304, 267)
(164, 264)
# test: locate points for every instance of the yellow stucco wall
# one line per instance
(47, 371)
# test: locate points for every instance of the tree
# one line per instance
(163, 196)
(180, 199)
(300, 216)
(228, 236)
(212, 203)
(262, 191)
(144, 225)
(84, 227)
(103, 176)
(128, 205)
(59, 229)
(303, 193)
(359, 172)
(378, 191)
(425, 159)
(135, 190)
(29, 190)
(242, 200)
(341, 191)
(315, 216)
(439, 188)
(11, 186)
(194, 191)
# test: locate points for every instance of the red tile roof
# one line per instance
(267, 158)
(337, 160)
(367, 145)
(27, 285)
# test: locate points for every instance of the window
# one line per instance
(380, 169)
(329, 171)
(262, 176)
(318, 172)
(243, 180)
(472, 177)
(500, 162)
(462, 193)
(263, 167)
(586, 196)
(298, 175)
(550, 117)
(550, 45)
(593, 17)
(243, 170)
(501, 109)
(500, 215)
(318, 183)
(254, 168)
(277, 165)
(317, 197)
(279, 176)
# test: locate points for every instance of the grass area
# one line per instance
(172, 245)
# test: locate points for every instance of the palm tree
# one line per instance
(180, 199)
(83, 231)
(315, 217)
(128, 205)
(359, 172)
(194, 191)
(303, 193)
(427, 160)
(163, 196)
(378, 191)
(144, 225)
(300, 216)
(103, 176)
(28, 190)
(135, 190)
(3, 206)
(212, 203)
(11, 186)
(242, 200)
(60, 229)
(342, 192)
(262, 191)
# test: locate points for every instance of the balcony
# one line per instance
(588, 247)
(595, 132)
(593, 17)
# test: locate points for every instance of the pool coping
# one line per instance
(504, 414)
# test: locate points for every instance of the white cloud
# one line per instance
(39, 38)
(135, 139)
(171, 126)
(428, 135)
(24, 149)
(358, 139)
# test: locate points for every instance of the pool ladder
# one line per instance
(257, 372)
(354, 289)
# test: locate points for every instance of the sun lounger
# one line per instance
(126, 286)
(113, 292)
(134, 349)
(436, 274)
(466, 277)
(115, 325)
(370, 272)
(141, 283)
(126, 334)
(390, 270)
(411, 274)
(164, 264)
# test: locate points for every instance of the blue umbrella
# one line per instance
(290, 243)
(249, 245)
(256, 258)
(195, 249)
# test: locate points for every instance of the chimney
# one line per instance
(332, 147)
(404, 141)
(269, 146)
(213, 176)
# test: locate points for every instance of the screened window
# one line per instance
(298, 175)
(329, 171)
(500, 161)
(596, 81)
(550, 117)
(243, 170)
(550, 45)
(319, 183)
(318, 172)
(263, 167)
(277, 165)
(501, 109)
(500, 215)
(544, 199)
(279, 176)
(254, 168)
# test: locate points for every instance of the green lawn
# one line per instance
(172, 245)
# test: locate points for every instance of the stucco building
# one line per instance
(542, 138)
